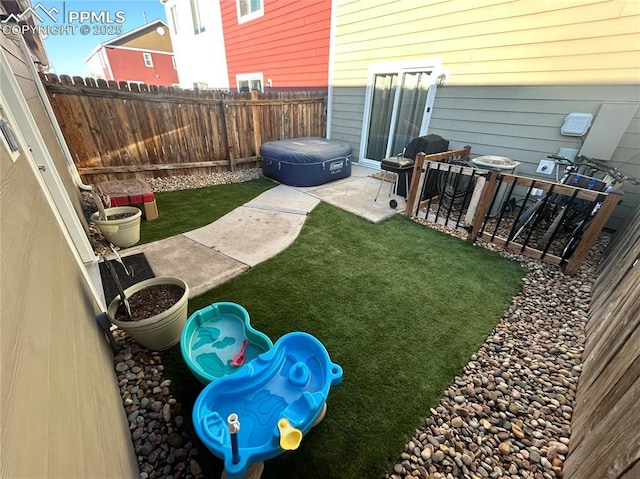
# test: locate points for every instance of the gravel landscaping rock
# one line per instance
(157, 437)
(173, 183)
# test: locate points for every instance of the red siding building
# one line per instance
(144, 55)
(280, 44)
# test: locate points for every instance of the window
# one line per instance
(399, 102)
(249, 9)
(173, 60)
(200, 85)
(148, 61)
(174, 19)
(249, 82)
(11, 143)
(195, 15)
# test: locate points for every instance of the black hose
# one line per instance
(454, 188)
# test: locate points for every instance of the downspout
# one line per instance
(52, 117)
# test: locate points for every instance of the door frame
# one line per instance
(399, 68)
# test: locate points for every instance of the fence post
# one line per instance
(593, 230)
(233, 141)
(413, 193)
(257, 126)
(483, 205)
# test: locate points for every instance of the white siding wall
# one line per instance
(199, 58)
(94, 65)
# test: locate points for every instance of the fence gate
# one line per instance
(445, 189)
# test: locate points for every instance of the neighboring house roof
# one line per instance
(129, 39)
(138, 32)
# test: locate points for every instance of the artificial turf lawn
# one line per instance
(399, 306)
(186, 210)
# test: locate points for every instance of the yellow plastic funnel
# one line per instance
(290, 437)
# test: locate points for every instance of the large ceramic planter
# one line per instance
(158, 332)
(122, 232)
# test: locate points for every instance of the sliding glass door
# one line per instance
(384, 89)
(399, 109)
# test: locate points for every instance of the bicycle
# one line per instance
(562, 212)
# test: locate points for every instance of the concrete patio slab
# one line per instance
(357, 172)
(357, 197)
(260, 229)
(250, 235)
(202, 268)
(286, 199)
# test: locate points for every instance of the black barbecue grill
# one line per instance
(397, 166)
(402, 165)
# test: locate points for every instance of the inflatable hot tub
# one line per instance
(307, 161)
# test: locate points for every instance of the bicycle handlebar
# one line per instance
(559, 159)
(582, 160)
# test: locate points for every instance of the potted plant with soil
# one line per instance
(120, 225)
(153, 311)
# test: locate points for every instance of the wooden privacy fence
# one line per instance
(445, 190)
(121, 130)
(605, 437)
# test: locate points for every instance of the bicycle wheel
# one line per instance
(574, 241)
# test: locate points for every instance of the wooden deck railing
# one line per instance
(480, 196)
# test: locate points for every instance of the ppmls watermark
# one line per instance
(67, 22)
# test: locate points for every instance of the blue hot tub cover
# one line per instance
(306, 161)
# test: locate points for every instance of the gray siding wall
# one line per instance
(520, 122)
(523, 123)
(346, 116)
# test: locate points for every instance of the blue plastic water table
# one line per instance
(213, 336)
(276, 398)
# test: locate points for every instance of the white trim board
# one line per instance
(157, 52)
(398, 67)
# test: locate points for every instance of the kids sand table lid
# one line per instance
(274, 400)
(495, 162)
(126, 192)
